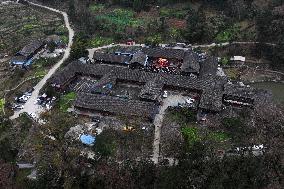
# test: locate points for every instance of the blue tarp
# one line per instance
(29, 62)
(109, 86)
(88, 139)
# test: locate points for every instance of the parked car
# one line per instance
(33, 116)
(18, 106)
(190, 101)
(165, 94)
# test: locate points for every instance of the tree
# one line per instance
(79, 47)
(278, 55)
(195, 30)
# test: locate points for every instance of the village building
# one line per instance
(105, 87)
(24, 56)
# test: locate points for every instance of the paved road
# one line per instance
(171, 100)
(92, 50)
(25, 165)
(30, 107)
(232, 43)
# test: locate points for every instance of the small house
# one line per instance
(25, 55)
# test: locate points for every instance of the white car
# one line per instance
(165, 94)
(20, 107)
(33, 116)
(190, 100)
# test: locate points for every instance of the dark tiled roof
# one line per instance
(212, 87)
(160, 52)
(208, 67)
(115, 105)
(18, 59)
(211, 100)
(154, 82)
(152, 89)
(31, 48)
(139, 57)
(190, 62)
(239, 91)
(105, 57)
(124, 73)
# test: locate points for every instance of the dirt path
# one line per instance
(171, 100)
(231, 43)
(30, 107)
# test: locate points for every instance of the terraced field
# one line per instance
(20, 24)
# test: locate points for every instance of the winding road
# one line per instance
(170, 101)
(30, 107)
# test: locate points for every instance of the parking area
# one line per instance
(21, 100)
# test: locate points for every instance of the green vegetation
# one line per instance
(61, 30)
(21, 177)
(218, 136)
(100, 41)
(105, 144)
(175, 34)
(232, 73)
(228, 34)
(40, 73)
(64, 39)
(225, 61)
(80, 44)
(94, 7)
(118, 20)
(44, 62)
(173, 13)
(66, 101)
(193, 134)
(190, 134)
(8, 141)
(8, 153)
(237, 129)
(30, 26)
(2, 104)
(154, 40)
(182, 116)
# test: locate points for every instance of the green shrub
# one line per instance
(2, 104)
(190, 134)
(61, 30)
(154, 40)
(64, 39)
(225, 61)
(29, 26)
(183, 116)
(119, 19)
(228, 34)
(105, 144)
(66, 100)
(173, 13)
(218, 136)
(96, 7)
(100, 41)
